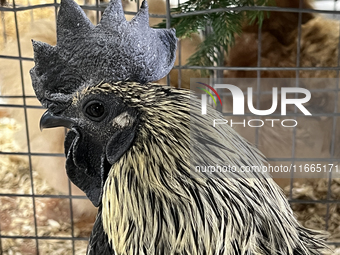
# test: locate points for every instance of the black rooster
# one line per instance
(133, 147)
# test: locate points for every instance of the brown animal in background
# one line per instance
(24, 19)
(318, 48)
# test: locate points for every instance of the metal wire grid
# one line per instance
(217, 70)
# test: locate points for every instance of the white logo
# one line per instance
(238, 100)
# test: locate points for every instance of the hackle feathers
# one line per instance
(154, 202)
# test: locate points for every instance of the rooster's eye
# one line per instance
(95, 110)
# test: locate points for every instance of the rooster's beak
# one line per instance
(49, 120)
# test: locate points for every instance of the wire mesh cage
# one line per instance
(41, 212)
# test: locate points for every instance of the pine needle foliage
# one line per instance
(223, 25)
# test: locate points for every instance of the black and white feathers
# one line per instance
(133, 148)
(135, 161)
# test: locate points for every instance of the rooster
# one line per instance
(137, 148)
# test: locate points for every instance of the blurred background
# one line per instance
(42, 212)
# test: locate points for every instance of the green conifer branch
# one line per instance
(224, 24)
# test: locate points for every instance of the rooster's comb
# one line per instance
(114, 50)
